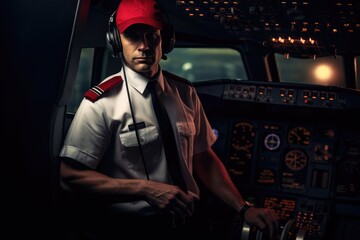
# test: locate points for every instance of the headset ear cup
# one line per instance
(113, 37)
(114, 42)
(117, 41)
(168, 38)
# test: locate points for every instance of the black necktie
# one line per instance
(168, 138)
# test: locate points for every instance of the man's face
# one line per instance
(141, 45)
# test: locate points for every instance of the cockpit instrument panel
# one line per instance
(294, 148)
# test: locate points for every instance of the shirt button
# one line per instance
(142, 140)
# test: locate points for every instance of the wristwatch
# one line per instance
(245, 207)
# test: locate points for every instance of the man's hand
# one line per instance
(264, 219)
(171, 200)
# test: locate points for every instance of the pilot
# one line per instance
(115, 162)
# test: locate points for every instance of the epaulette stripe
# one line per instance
(96, 92)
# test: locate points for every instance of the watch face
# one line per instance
(249, 204)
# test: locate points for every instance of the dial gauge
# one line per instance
(299, 136)
(243, 136)
(272, 141)
(296, 159)
(242, 140)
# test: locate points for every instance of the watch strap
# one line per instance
(246, 207)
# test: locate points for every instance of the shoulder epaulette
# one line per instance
(176, 77)
(95, 92)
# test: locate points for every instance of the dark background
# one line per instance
(35, 37)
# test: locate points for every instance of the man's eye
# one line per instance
(132, 36)
(152, 36)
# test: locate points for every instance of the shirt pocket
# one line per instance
(146, 136)
(186, 131)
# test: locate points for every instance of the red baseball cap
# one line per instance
(132, 12)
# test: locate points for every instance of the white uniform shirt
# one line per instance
(103, 138)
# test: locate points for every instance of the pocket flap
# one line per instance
(146, 135)
(186, 128)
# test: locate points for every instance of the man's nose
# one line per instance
(144, 41)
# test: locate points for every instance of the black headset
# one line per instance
(113, 37)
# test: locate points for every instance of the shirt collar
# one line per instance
(138, 81)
